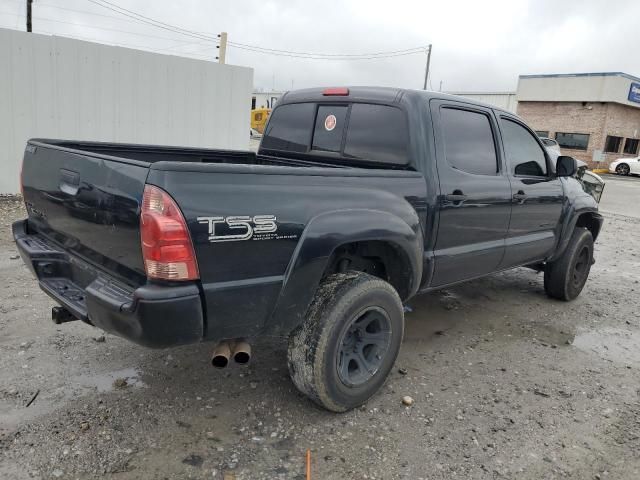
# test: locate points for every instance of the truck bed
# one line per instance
(145, 155)
(83, 236)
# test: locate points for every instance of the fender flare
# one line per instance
(322, 235)
(569, 225)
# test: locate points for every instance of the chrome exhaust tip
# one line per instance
(221, 355)
(241, 352)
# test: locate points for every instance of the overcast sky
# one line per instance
(477, 46)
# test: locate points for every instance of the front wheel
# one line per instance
(564, 278)
(342, 353)
(623, 169)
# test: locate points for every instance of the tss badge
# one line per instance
(258, 227)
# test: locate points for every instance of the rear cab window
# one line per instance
(289, 128)
(351, 132)
(329, 129)
(377, 133)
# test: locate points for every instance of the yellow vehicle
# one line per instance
(259, 118)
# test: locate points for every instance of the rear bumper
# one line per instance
(151, 315)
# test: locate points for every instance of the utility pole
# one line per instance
(426, 72)
(222, 54)
(29, 2)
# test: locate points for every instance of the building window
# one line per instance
(631, 146)
(612, 145)
(542, 133)
(574, 141)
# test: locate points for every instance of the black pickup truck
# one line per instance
(358, 199)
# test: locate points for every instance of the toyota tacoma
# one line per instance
(357, 199)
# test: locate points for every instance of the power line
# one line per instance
(146, 48)
(404, 51)
(204, 38)
(124, 45)
(254, 48)
(322, 57)
(150, 21)
(108, 29)
(86, 12)
(115, 17)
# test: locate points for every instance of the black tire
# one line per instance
(320, 361)
(565, 278)
(623, 169)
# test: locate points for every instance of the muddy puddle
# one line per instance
(105, 382)
(612, 344)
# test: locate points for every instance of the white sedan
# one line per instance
(625, 166)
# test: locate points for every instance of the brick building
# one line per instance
(595, 117)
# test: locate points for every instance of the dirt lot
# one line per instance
(507, 384)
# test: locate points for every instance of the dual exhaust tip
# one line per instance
(239, 350)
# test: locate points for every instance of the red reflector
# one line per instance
(335, 92)
(166, 243)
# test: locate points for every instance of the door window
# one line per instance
(468, 141)
(524, 154)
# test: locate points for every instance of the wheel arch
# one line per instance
(589, 219)
(377, 237)
(384, 259)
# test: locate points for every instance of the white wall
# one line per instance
(56, 87)
(593, 87)
(504, 100)
(267, 99)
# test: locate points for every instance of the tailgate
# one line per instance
(87, 203)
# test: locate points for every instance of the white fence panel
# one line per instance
(54, 87)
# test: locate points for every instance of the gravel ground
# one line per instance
(506, 384)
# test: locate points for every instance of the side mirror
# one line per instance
(566, 166)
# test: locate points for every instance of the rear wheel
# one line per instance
(341, 355)
(623, 169)
(565, 278)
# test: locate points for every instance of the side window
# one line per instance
(327, 135)
(468, 141)
(290, 128)
(377, 133)
(524, 155)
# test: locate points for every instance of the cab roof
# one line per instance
(388, 95)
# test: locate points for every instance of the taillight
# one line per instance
(335, 92)
(166, 244)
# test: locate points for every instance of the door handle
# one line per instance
(520, 196)
(457, 197)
